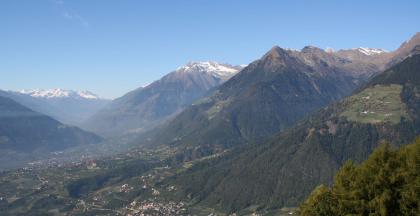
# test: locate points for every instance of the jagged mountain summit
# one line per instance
(269, 95)
(289, 165)
(380, 58)
(371, 51)
(362, 50)
(68, 106)
(368, 55)
(59, 93)
(146, 107)
(218, 70)
(404, 50)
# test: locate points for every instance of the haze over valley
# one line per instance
(152, 111)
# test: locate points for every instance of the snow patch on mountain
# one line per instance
(59, 93)
(329, 50)
(370, 51)
(214, 68)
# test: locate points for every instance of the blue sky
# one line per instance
(113, 46)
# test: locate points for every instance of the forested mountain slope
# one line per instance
(266, 97)
(283, 171)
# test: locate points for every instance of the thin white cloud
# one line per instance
(67, 15)
(77, 17)
(70, 15)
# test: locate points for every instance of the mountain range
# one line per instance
(146, 107)
(26, 132)
(284, 169)
(68, 106)
(270, 95)
(267, 96)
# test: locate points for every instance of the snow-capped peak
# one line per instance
(216, 69)
(371, 51)
(88, 95)
(59, 93)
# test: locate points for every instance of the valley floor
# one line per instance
(127, 184)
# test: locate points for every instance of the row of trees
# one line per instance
(387, 183)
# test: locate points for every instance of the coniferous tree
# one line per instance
(386, 184)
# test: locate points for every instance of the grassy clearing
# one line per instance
(381, 103)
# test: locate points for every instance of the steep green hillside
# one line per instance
(380, 103)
